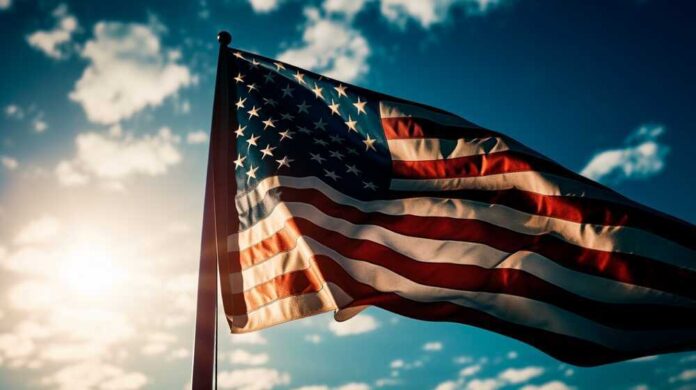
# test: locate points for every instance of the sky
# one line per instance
(104, 120)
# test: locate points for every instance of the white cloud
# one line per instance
(14, 111)
(92, 374)
(9, 163)
(432, 346)
(469, 371)
(553, 385)
(520, 375)
(483, 384)
(354, 386)
(330, 46)
(252, 379)
(5, 4)
(641, 157)
(254, 338)
(431, 12)
(197, 137)
(38, 231)
(397, 364)
(448, 385)
(263, 6)
(313, 338)
(54, 43)
(512, 355)
(240, 356)
(463, 359)
(39, 125)
(118, 155)
(684, 376)
(362, 323)
(348, 8)
(128, 71)
(158, 343)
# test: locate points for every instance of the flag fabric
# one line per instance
(332, 197)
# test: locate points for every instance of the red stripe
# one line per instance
(498, 280)
(568, 349)
(623, 267)
(293, 283)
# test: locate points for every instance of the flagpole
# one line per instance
(205, 337)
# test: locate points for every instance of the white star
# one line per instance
(369, 185)
(267, 151)
(336, 138)
(252, 141)
(334, 108)
(239, 78)
(320, 124)
(336, 154)
(303, 107)
(351, 124)
(353, 169)
(239, 162)
(270, 102)
(317, 157)
(330, 174)
(279, 66)
(286, 134)
(240, 103)
(238, 55)
(317, 91)
(252, 87)
(253, 112)
(341, 90)
(268, 78)
(369, 143)
(287, 116)
(304, 130)
(353, 151)
(320, 141)
(360, 105)
(287, 91)
(251, 173)
(254, 63)
(284, 161)
(240, 131)
(268, 123)
(299, 77)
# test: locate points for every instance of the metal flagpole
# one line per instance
(205, 338)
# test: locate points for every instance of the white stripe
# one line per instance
(428, 149)
(435, 251)
(509, 308)
(605, 238)
(283, 310)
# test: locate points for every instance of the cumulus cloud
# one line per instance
(684, 376)
(14, 111)
(38, 231)
(88, 375)
(641, 157)
(117, 155)
(158, 343)
(432, 346)
(55, 43)
(483, 384)
(553, 385)
(5, 4)
(313, 338)
(362, 323)
(520, 375)
(431, 12)
(330, 46)
(252, 379)
(197, 137)
(348, 8)
(263, 6)
(240, 356)
(254, 338)
(9, 163)
(129, 70)
(469, 371)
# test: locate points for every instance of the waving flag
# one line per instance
(330, 197)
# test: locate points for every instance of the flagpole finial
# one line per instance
(224, 38)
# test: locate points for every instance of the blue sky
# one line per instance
(103, 140)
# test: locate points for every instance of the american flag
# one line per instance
(331, 197)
